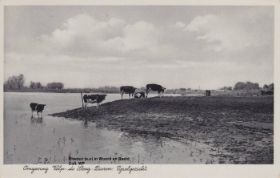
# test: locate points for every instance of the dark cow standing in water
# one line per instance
(154, 87)
(37, 107)
(130, 90)
(97, 98)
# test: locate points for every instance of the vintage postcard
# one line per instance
(140, 89)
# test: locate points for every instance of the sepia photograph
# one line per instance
(161, 84)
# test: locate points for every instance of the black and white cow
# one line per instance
(154, 87)
(96, 98)
(39, 108)
(130, 90)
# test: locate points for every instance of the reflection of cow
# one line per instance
(139, 94)
(154, 87)
(127, 90)
(97, 98)
(35, 120)
(37, 107)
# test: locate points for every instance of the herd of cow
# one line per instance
(98, 98)
(130, 90)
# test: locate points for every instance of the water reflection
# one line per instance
(36, 120)
(85, 123)
(51, 140)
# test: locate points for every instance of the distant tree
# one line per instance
(15, 82)
(265, 87)
(32, 85)
(55, 85)
(183, 89)
(246, 86)
(35, 85)
(271, 86)
(226, 88)
(239, 86)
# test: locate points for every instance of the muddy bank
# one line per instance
(240, 129)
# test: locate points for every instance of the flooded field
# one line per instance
(54, 139)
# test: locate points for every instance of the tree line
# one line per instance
(17, 82)
(249, 86)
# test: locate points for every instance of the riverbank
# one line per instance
(240, 128)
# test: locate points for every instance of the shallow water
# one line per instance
(53, 139)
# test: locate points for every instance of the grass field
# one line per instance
(239, 128)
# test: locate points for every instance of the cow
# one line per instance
(96, 98)
(130, 90)
(154, 87)
(37, 107)
(139, 94)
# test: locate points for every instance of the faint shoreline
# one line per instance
(50, 91)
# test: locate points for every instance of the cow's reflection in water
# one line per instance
(85, 123)
(36, 120)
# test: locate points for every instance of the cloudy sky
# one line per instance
(186, 46)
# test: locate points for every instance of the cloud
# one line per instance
(137, 36)
(83, 35)
(180, 25)
(120, 48)
(227, 32)
(140, 35)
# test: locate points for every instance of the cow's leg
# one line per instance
(122, 95)
(31, 114)
(37, 114)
